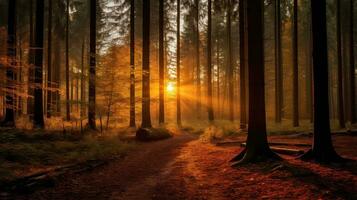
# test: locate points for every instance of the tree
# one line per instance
(92, 67)
(295, 67)
(30, 61)
(209, 63)
(38, 93)
(257, 144)
(132, 64)
(161, 64)
(352, 65)
(198, 65)
(49, 60)
(278, 64)
(242, 61)
(68, 111)
(9, 119)
(322, 149)
(178, 65)
(230, 63)
(341, 110)
(146, 118)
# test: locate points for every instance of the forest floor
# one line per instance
(185, 167)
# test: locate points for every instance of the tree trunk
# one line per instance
(209, 63)
(92, 67)
(146, 118)
(341, 110)
(322, 148)
(161, 65)
(295, 67)
(9, 119)
(243, 67)
(49, 60)
(278, 64)
(82, 81)
(132, 64)
(178, 66)
(218, 79)
(198, 65)
(257, 144)
(352, 65)
(68, 111)
(30, 62)
(230, 64)
(38, 93)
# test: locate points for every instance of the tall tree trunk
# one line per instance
(257, 144)
(9, 119)
(68, 111)
(352, 65)
(132, 64)
(243, 67)
(38, 93)
(92, 67)
(209, 63)
(278, 64)
(146, 118)
(30, 80)
(198, 65)
(309, 78)
(218, 79)
(230, 63)
(341, 110)
(161, 65)
(178, 65)
(49, 60)
(295, 67)
(322, 148)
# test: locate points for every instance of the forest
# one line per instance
(178, 99)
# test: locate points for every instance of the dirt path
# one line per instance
(185, 168)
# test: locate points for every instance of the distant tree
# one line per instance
(178, 64)
(132, 64)
(341, 110)
(146, 118)
(9, 119)
(30, 60)
(161, 64)
(257, 144)
(92, 67)
(197, 58)
(242, 61)
(68, 111)
(295, 66)
(322, 148)
(209, 62)
(49, 60)
(278, 64)
(38, 93)
(230, 62)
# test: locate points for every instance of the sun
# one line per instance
(170, 87)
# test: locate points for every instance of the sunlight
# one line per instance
(170, 88)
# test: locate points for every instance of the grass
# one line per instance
(25, 152)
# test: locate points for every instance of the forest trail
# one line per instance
(134, 177)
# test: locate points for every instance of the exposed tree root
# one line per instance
(323, 157)
(254, 156)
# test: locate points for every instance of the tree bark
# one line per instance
(341, 110)
(295, 67)
(68, 111)
(198, 65)
(49, 60)
(146, 118)
(161, 65)
(230, 63)
(178, 66)
(242, 60)
(92, 67)
(30, 80)
(132, 64)
(352, 65)
(209, 63)
(38, 93)
(257, 144)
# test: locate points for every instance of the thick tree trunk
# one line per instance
(243, 67)
(9, 119)
(295, 67)
(132, 64)
(49, 60)
(257, 144)
(352, 65)
(38, 93)
(322, 148)
(209, 63)
(341, 110)
(198, 65)
(92, 67)
(230, 63)
(161, 65)
(68, 111)
(146, 118)
(178, 65)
